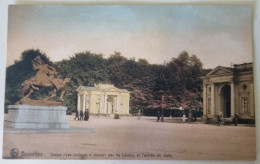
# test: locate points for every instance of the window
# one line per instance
(244, 104)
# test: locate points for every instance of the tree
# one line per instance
(182, 75)
(84, 68)
(20, 71)
(178, 80)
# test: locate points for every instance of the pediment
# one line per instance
(113, 90)
(107, 89)
(79, 89)
(220, 71)
(85, 88)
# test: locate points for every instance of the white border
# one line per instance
(3, 51)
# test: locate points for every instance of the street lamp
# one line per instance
(163, 105)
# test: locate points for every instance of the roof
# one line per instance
(87, 88)
(221, 71)
(97, 87)
(228, 68)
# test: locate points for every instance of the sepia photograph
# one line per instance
(129, 82)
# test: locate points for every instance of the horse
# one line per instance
(46, 76)
(33, 84)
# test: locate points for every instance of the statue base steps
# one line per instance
(36, 117)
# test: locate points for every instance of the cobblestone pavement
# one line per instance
(130, 138)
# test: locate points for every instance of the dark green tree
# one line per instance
(20, 71)
(84, 68)
(177, 81)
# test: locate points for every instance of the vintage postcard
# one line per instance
(129, 82)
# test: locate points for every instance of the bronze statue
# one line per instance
(46, 76)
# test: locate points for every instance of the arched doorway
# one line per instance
(225, 98)
(110, 105)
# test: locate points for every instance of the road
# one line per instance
(130, 138)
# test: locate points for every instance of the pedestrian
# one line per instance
(77, 115)
(219, 118)
(194, 115)
(236, 119)
(139, 114)
(86, 115)
(158, 116)
(116, 116)
(184, 118)
(81, 115)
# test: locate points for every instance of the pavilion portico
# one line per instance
(230, 91)
(103, 99)
(221, 99)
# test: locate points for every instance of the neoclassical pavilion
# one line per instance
(103, 99)
(229, 90)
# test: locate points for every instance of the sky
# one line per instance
(218, 35)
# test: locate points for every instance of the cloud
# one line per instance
(218, 35)
(62, 52)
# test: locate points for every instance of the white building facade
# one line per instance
(103, 99)
(230, 91)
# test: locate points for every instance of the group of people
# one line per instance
(82, 116)
(220, 118)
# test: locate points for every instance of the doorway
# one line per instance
(110, 105)
(226, 101)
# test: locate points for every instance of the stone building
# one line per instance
(103, 99)
(230, 91)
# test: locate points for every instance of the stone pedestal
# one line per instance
(36, 117)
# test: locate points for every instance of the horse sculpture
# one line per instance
(32, 85)
(45, 77)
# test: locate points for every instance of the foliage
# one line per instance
(85, 69)
(177, 81)
(22, 70)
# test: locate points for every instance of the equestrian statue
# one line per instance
(46, 76)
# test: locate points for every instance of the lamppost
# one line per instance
(162, 106)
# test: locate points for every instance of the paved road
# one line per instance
(130, 138)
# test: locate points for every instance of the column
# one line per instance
(204, 100)
(232, 99)
(89, 102)
(84, 102)
(78, 105)
(117, 103)
(212, 99)
(251, 100)
(105, 103)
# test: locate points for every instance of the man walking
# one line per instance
(77, 115)
(81, 115)
(86, 115)
(158, 116)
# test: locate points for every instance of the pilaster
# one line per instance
(212, 99)
(232, 99)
